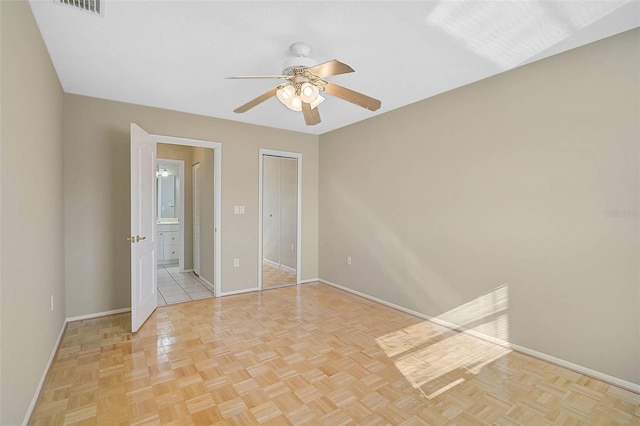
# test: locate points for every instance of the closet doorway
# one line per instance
(280, 217)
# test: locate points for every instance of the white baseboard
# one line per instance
(634, 387)
(99, 314)
(207, 283)
(36, 395)
(244, 290)
(287, 269)
(271, 262)
(279, 266)
(312, 280)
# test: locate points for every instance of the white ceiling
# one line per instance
(176, 54)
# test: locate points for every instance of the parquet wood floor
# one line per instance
(308, 354)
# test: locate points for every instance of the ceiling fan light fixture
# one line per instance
(296, 104)
(286, 94)
(317, 102)
(309, 93)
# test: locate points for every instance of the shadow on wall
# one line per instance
(435, 358)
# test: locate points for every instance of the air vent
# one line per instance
(95, 7)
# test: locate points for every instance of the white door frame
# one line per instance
(217, 165)
(196, 255)
(296, 156)
(181, 196)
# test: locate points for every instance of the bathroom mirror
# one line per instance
(167, 191)
(166, 196)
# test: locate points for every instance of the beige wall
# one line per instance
(204, 156)
(502, 182)
(32, 214)
(97, 202)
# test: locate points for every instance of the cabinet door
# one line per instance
(171, 238)
(170, 252)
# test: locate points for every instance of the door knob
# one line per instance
(132, 239)
(139, 238)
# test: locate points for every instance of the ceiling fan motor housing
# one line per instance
(299, 59)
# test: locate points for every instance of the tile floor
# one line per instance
(176, 287)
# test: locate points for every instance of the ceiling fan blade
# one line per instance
(327, 69)
(311, 116)
(245, 77)
(257, 101)
(352, 96)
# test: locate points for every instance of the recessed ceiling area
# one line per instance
(176, 54)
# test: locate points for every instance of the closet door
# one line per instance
(271, 210)
(196, 218)
(288, 217)
(280, 209)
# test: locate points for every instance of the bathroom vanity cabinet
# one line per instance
(168, 242)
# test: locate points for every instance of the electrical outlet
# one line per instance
(349, 260)
(52, 303)
(293, 247)
(236, 263)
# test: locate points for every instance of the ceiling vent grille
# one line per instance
(95, 7)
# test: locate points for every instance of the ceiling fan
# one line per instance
(304, 82)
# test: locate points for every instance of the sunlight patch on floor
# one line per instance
(434, 358)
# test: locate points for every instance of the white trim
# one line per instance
(36, 395)
(217, 171)
(290, 270)
(298, 157)
(312, 280)
(279, 266)
(98, 314)
(181, 198)
(271, 263)
(633, 387)
(245, 290)
(207, 283)
(557, 361)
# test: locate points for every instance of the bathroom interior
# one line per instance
(185, 223)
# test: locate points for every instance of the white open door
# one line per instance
(144, 299)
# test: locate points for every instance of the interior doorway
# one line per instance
(186, 237)
(170, 220)
(144, 217)
(280, 216)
